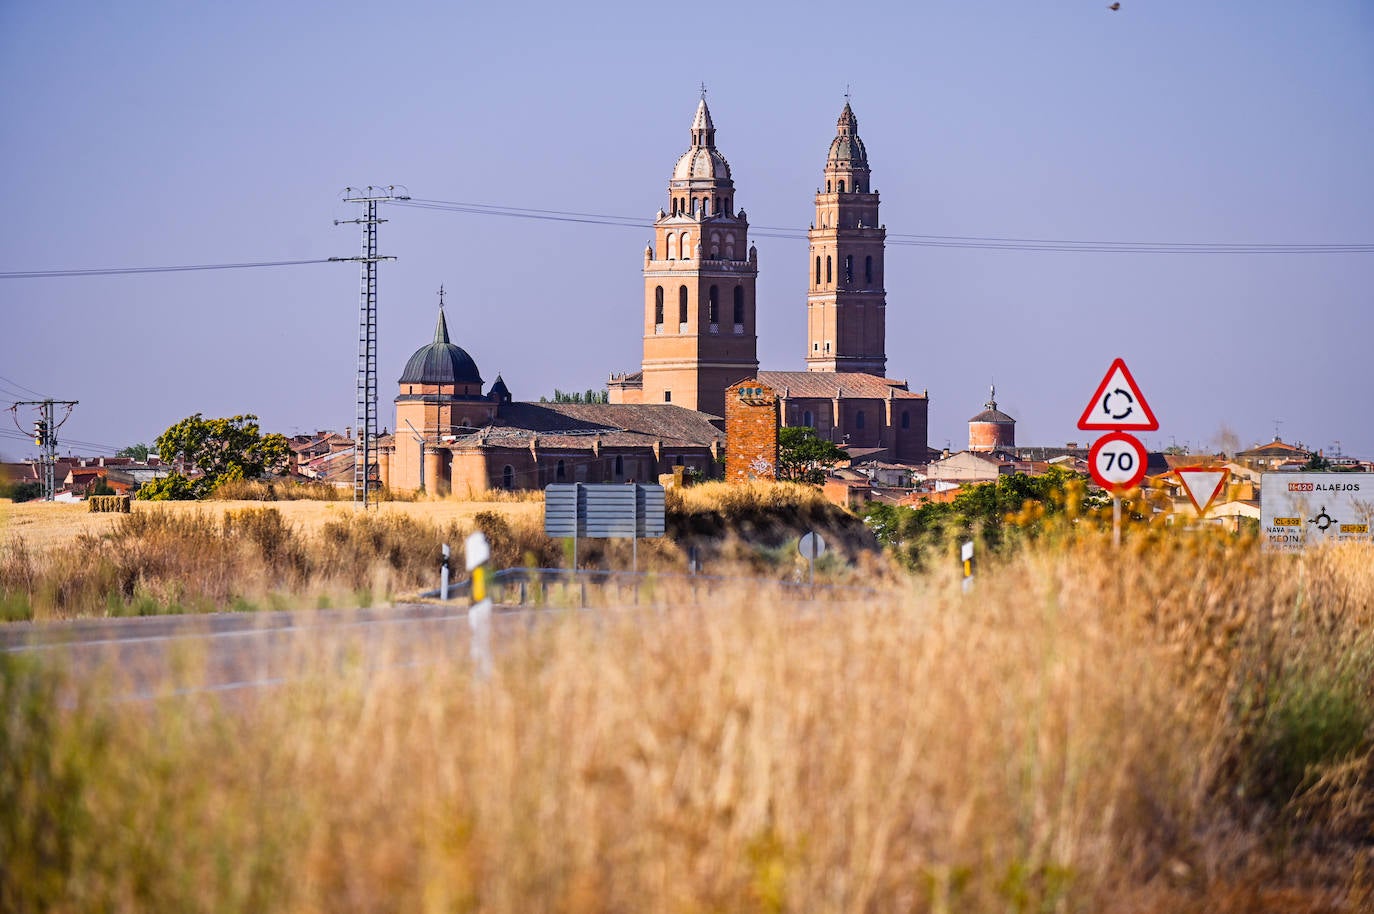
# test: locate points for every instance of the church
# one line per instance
(700, 344)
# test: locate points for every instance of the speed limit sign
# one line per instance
(1117, 461)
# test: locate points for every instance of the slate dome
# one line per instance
(441, 362)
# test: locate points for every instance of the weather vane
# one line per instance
(441, 296)
(703, 91)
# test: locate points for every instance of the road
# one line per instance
(230, 652)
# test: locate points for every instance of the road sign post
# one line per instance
(1117, 460)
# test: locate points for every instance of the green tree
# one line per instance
(222, 449)
(138, 452)
(803, 456)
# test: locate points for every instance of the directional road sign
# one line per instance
(1202, 485)
(1307, 509)
(1117, 461)
(1118, 404)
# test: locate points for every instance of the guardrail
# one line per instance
(565, 587)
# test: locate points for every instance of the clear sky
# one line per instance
(160, 133)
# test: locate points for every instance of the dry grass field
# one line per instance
(45, 526)
(1183, 725)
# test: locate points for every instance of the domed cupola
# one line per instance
(992, 429)
(441, 362)
(847, 163)
(703, 163)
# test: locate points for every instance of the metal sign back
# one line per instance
(604, 510)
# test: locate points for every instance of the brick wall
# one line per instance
(751, 432)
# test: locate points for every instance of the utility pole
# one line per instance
(366, 429)
(45, 436)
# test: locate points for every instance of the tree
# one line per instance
(803, 456)
(139, 452)
(221, 449)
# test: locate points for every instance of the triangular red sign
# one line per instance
(1118, 404)
(1202, 485)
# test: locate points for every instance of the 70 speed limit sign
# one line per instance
(1117, 461)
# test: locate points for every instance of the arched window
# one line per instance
(729, 247)
(508, 477)
(827, 187)
(841, 187)
(827, 271)
(807, 419)
(658, 305)
(686, 246)
(848, 268)
(559, 473)
(818, 270)
(715, 245)
(619, 465)
(859, 419)
(739, 305)
(868, 271)
(682, 305)
(712, 315)
(672, 246)
(694, 206)
(906, 419)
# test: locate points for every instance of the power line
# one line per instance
(975, 242)
(16, 384)
(185, 268)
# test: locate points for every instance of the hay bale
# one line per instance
(116, 504)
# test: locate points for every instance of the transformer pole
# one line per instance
(45, 436)
(364, 448)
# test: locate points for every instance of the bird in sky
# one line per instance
(1114, 7)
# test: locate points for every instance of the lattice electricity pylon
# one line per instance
(364, 448)
(45, 436)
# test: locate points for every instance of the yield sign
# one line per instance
(1203, 485)
(1118, 404)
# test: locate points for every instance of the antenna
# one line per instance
(1277, 423)
(365, 443)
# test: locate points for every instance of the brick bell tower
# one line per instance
(699, 276)
(846, 308)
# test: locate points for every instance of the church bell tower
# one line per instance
(699, 277)
(846, 306)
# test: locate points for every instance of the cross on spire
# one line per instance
(703, 91)
(846, 93)
(441, 296)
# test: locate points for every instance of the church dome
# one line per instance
(441, 362)
(847, 148)
(703, 161)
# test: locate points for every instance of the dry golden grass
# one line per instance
(49, 526)
(1087, 731)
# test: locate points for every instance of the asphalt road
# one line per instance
(228, 652)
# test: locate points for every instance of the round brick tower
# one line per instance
(992, 429)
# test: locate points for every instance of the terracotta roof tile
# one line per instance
(575, 425)
(829, 384)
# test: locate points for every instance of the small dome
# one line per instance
(847, 148)
(991, 413)
(702, 162)
(441, 362)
